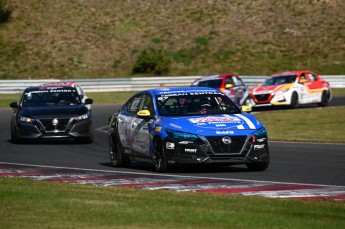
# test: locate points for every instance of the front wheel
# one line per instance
(258, 166)
(325, 97)
(159, 156)
(14, 136)
(294, 101)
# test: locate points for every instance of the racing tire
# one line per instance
(159, 158)
(259, 166)
(294, 101)
(14, 137)
(117, 157)
(325, 97)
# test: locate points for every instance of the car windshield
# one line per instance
(189, 104)
(283, 79)
(58, 97)
(214, 83)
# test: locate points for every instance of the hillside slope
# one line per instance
(103, 38)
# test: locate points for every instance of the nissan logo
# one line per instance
(226, 140)
(55, 121)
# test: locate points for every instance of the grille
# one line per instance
(263, 97)
(234, 147)
(61, 126)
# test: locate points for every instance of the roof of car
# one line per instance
(59, 84)
(289, 73)
(42, 88)
(218, 76)
(179, 90)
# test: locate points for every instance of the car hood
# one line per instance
(58, 111)
(212, 124)
(270, 89)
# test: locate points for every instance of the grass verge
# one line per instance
(306, 125)
(40, 204)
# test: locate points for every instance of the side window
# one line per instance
(303, 76)
(312, 77)
(80, 91)
(133, 104)
(148, 103)
(236, 81)
(229, 80)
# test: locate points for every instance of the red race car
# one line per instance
(291, 89)
(230, 84)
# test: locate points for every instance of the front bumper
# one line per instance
(212, 150)
(276, 99)
(69, 129)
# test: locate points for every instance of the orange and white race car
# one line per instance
(291, 89)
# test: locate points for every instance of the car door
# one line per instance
(315, 87)
(303, 88)
(125, 120)
(140, 128)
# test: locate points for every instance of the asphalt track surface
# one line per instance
(299, 163)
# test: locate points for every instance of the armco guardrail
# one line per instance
(138, 84)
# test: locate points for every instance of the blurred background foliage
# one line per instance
(104, 38)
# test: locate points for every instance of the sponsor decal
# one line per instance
(185, 142)
(225, 132)
(175, 126)
(190, 150)
(257, 147)
(158, 128)
(170, 145)
(216, 120)
(260, 139)
(213, 122)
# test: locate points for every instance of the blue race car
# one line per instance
(195, 125)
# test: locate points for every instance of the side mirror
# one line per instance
(246, 109)
(14, 105)
(229, 85)
(88, 101)
(144, 114)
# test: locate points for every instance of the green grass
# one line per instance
(306, 125)
(40, 204)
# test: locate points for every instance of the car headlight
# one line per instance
(281, 92)
(181, 136)
(258, 136)
(82, 117)
(26, 119)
